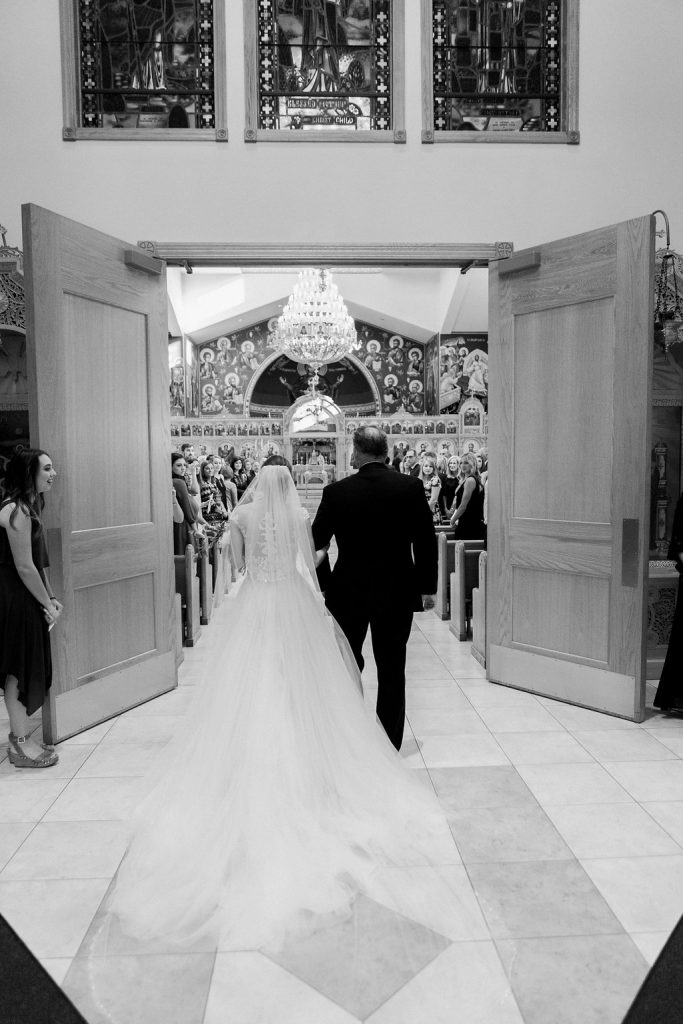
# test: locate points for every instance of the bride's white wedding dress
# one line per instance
(282, 797)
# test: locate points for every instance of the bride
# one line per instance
(282, 798)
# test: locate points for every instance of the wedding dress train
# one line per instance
(281, 798)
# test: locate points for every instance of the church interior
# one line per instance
(555, 886)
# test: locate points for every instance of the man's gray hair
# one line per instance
(371, 441)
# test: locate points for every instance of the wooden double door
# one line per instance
(570, 365)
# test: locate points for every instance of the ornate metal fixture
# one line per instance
(12, 299)
(668, 307)
(315, 327)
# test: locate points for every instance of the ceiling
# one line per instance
(414, 301)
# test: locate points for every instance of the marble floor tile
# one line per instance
(577, 719)
(671, 738)
(113, 759)
(24, 797)
(362, 961)
(465, 984)
(108, 799)
(471, 788)
(611, 830)
(623, 745)
(460, 671)
(506, 833)
(433, 670)
(590, 979)
(483, 694)
(658, 720)
(668, 814)
(12, 835)
(461, 750)
(68, 849)
(438, 722)
(542, 898)
(542, 748)
(643, 892)
(172, 988)
(71, 760)
(175, 702)
(52, 916)
(57, 967)
(446, 698)
(526, 719)
(438, 897)
(134, 728)
(650, 944)
(248, 988)
(93, 735)
(572, 784)
(411, 755)
(649, 780)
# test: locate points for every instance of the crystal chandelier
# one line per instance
(315, 327)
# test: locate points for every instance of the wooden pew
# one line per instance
(205, 586)
(187, 586)
(479, 614)
(446, 567)
(464, 578)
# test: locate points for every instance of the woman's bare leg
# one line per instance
(18, 719)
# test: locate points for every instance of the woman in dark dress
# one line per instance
(449, 486)
(182, 532)
(240, 477)
(669, 696)
(468, 516)
(28, 608)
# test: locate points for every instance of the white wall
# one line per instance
(628, 163)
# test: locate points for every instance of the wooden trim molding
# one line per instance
(252, 132)
(569, 136)
(248, 254)
(71, 106)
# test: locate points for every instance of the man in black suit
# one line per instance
(385, 568)
(411, 467)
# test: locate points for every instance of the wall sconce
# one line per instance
(668, 308)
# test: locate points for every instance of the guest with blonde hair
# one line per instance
(467, 519)
(432, 485)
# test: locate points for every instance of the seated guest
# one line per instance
(240, 476)
(432, 485)
(449, 486)
(469, 501)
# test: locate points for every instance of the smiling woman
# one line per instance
(28, 608)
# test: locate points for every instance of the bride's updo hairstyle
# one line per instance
(277, 460)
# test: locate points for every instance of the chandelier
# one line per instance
(668, 306)
(315, 327)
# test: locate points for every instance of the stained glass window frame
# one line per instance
(253, 133)
(73, 128)
(568, 133)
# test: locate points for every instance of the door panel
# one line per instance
(570, 355)
(98, 371)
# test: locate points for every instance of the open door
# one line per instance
(571, 338)
(98, 369)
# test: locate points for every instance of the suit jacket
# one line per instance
(385, 537)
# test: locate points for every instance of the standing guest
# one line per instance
(222, 488)
(669, 696)
(213, 509)
(249, 469)
(449, 486)
(228, 475)
(240, 477)
(28, 607)
(386, 565)
(469, 501)
(182, 532)
(191, 472)
(432, 486)
(411, 466)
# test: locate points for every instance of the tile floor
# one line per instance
(555, 885)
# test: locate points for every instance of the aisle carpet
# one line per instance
(28, 995)
(660, 997)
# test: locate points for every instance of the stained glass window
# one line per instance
(502, 67)
(325, 67)
(145, 66)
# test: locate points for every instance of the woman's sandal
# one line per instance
(21, 760)
(45, 746)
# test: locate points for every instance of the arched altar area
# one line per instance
(314, 437)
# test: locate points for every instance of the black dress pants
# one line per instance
(389, 632)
